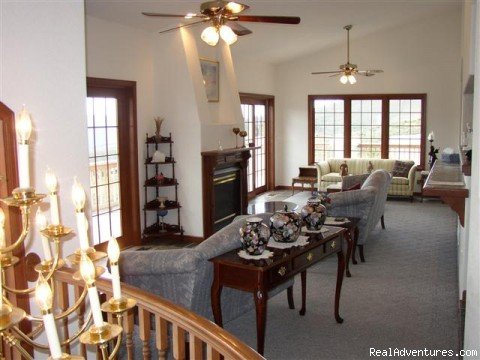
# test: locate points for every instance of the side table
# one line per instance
(312, 181)
(260, 276)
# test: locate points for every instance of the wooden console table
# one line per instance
(446, 182)
(261, 276)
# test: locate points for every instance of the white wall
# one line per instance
(254, 77)
(42, 52)
(43, 66)
(472, 314)
(170, 85)
(422, 57)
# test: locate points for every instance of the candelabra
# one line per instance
(99, 333)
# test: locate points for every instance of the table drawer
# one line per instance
(280, 272)
(307, 258)
(333, 245)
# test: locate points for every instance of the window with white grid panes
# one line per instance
(329, 129)
(366, 129)
(405, 129)
(104, 168)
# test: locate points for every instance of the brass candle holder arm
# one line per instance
(12, 341)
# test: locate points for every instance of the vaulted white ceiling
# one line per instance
(321, 24)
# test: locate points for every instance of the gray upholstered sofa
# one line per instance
(184, 276)
(368, 204)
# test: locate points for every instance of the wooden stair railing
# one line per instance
(201, 333)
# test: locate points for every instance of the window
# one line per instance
(329, 124)
(367, 126)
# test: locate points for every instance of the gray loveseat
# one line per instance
(184, 276)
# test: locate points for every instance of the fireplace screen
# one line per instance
(226, 185)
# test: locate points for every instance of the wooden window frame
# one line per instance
(385, 121)
(127, 134)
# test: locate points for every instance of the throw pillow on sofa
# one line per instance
(401, 168)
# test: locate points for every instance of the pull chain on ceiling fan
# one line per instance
(348, 70)
(218, 14)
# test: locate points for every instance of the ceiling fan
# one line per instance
(348, 71)
(220, 13)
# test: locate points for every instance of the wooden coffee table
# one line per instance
(261, 276)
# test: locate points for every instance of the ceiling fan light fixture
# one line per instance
(227, 34)
(344, 79)
(234, 7)
(351, 79)
(210, 35)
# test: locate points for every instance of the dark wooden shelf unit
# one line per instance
(152, 170)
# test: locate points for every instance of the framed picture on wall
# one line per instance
(210, 72)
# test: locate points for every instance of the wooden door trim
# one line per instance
(269, 102)
(131, 229)
(17, 279)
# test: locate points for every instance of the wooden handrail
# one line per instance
(201, 331)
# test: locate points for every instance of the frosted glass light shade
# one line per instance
(344, 79)
(210, 35)
(228, 35)
(352, 79)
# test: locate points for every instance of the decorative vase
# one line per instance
(314, 214)
(285, 225)
(254, 235)
(158, 127)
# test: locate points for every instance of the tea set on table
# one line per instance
(284, 230)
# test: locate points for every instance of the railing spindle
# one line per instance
(178, 342)
(212, 354)
(161, 337)
(144, 325)
(196, 348)
(128, 328)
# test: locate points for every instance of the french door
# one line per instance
(112, 143)
(258, 115)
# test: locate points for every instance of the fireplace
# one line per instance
(224, 187)
(226, 192)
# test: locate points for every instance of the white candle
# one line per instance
(52, 336)
(44, 299)
(23, 127)
(87, 270)
(23, 166)
(2, 229)
(42, 224)
(113, 251)
(52, 186)
(95, 306)
(82, 227)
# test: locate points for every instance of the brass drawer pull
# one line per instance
(282, 271)
(309, 256)
(333, 244)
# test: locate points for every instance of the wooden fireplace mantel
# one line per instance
(215, 160)
(446, 182)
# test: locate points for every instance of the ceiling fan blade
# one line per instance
(190, 15)
(369, 72)
(182, 26)
(326, 72)
(239, 29)
(337, 74)
(269, 19)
